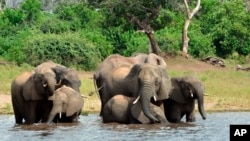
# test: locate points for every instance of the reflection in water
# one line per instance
(216, 127)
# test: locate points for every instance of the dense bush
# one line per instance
(67, 49)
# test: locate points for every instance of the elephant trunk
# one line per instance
(51, 117)
(146, 94)
(200, 106)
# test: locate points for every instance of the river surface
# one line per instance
(214, 128)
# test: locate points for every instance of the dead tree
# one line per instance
(189, 16)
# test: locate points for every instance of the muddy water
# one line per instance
(215, 128)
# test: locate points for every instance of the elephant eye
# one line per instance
(156, 81)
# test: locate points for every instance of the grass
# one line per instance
(228, 89)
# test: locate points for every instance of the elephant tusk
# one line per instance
(136, 100)
(205, 94)
(192, 95)
(91, 93)
(155, 98)
(83, 96)
(45, 85)
(59, 83)
(60, 115)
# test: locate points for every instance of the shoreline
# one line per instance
(6, 107)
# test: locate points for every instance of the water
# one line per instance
(214, 128)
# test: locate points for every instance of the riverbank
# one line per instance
(227, 88)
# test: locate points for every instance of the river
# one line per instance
(214, 128)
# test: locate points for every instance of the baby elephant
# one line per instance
(66, 101)
(123, 109)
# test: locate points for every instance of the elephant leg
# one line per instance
(18, 115)
(46, 107)
(190, 117)
(172, 111)
(19, 118)
(30, 112)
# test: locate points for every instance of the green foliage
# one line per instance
(169, 40)
(13, 16)
(228, 23)
(32, 10)
(219, 28)
(68, 49)
(99, 40)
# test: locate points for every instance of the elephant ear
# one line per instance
(75, 104)
(176, 93)
(165, 85)
(59, 71)
(133, 77)
(137, 113)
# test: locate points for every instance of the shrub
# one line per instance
(68, 49)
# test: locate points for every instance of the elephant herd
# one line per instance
(133, 89)
(49, 93)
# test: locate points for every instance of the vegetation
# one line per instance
(82, 33)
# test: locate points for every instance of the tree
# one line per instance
(139, 13)
(189, 16)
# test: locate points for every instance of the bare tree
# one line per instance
(189, 16)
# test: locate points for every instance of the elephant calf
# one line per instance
(121, 109)
(185, 90)
(67, 101)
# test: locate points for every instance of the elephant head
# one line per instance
(68, 77)
(152, 82)
(186, 89)
(155, 60)
(41, 85)
(66, 100)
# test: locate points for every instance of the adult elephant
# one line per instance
(116, 60)
(121, 109)
(66, 100)
(143, 81)
(29, 93)
(185, 90)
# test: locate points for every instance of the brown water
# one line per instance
(215, 128)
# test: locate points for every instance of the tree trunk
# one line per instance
(154, 45)
(190, 14)
(185, 38)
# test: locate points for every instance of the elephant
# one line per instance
(30, 91)
(142, 81)
(29, 94)
(64, 76)
(185, 90)
(121, 109)
(116, 60)
(66, 100)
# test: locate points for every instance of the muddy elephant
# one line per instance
(185, 90)
(66, 100)
(116, 60)
(142, 81)
(30, 92)
(123, 109)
